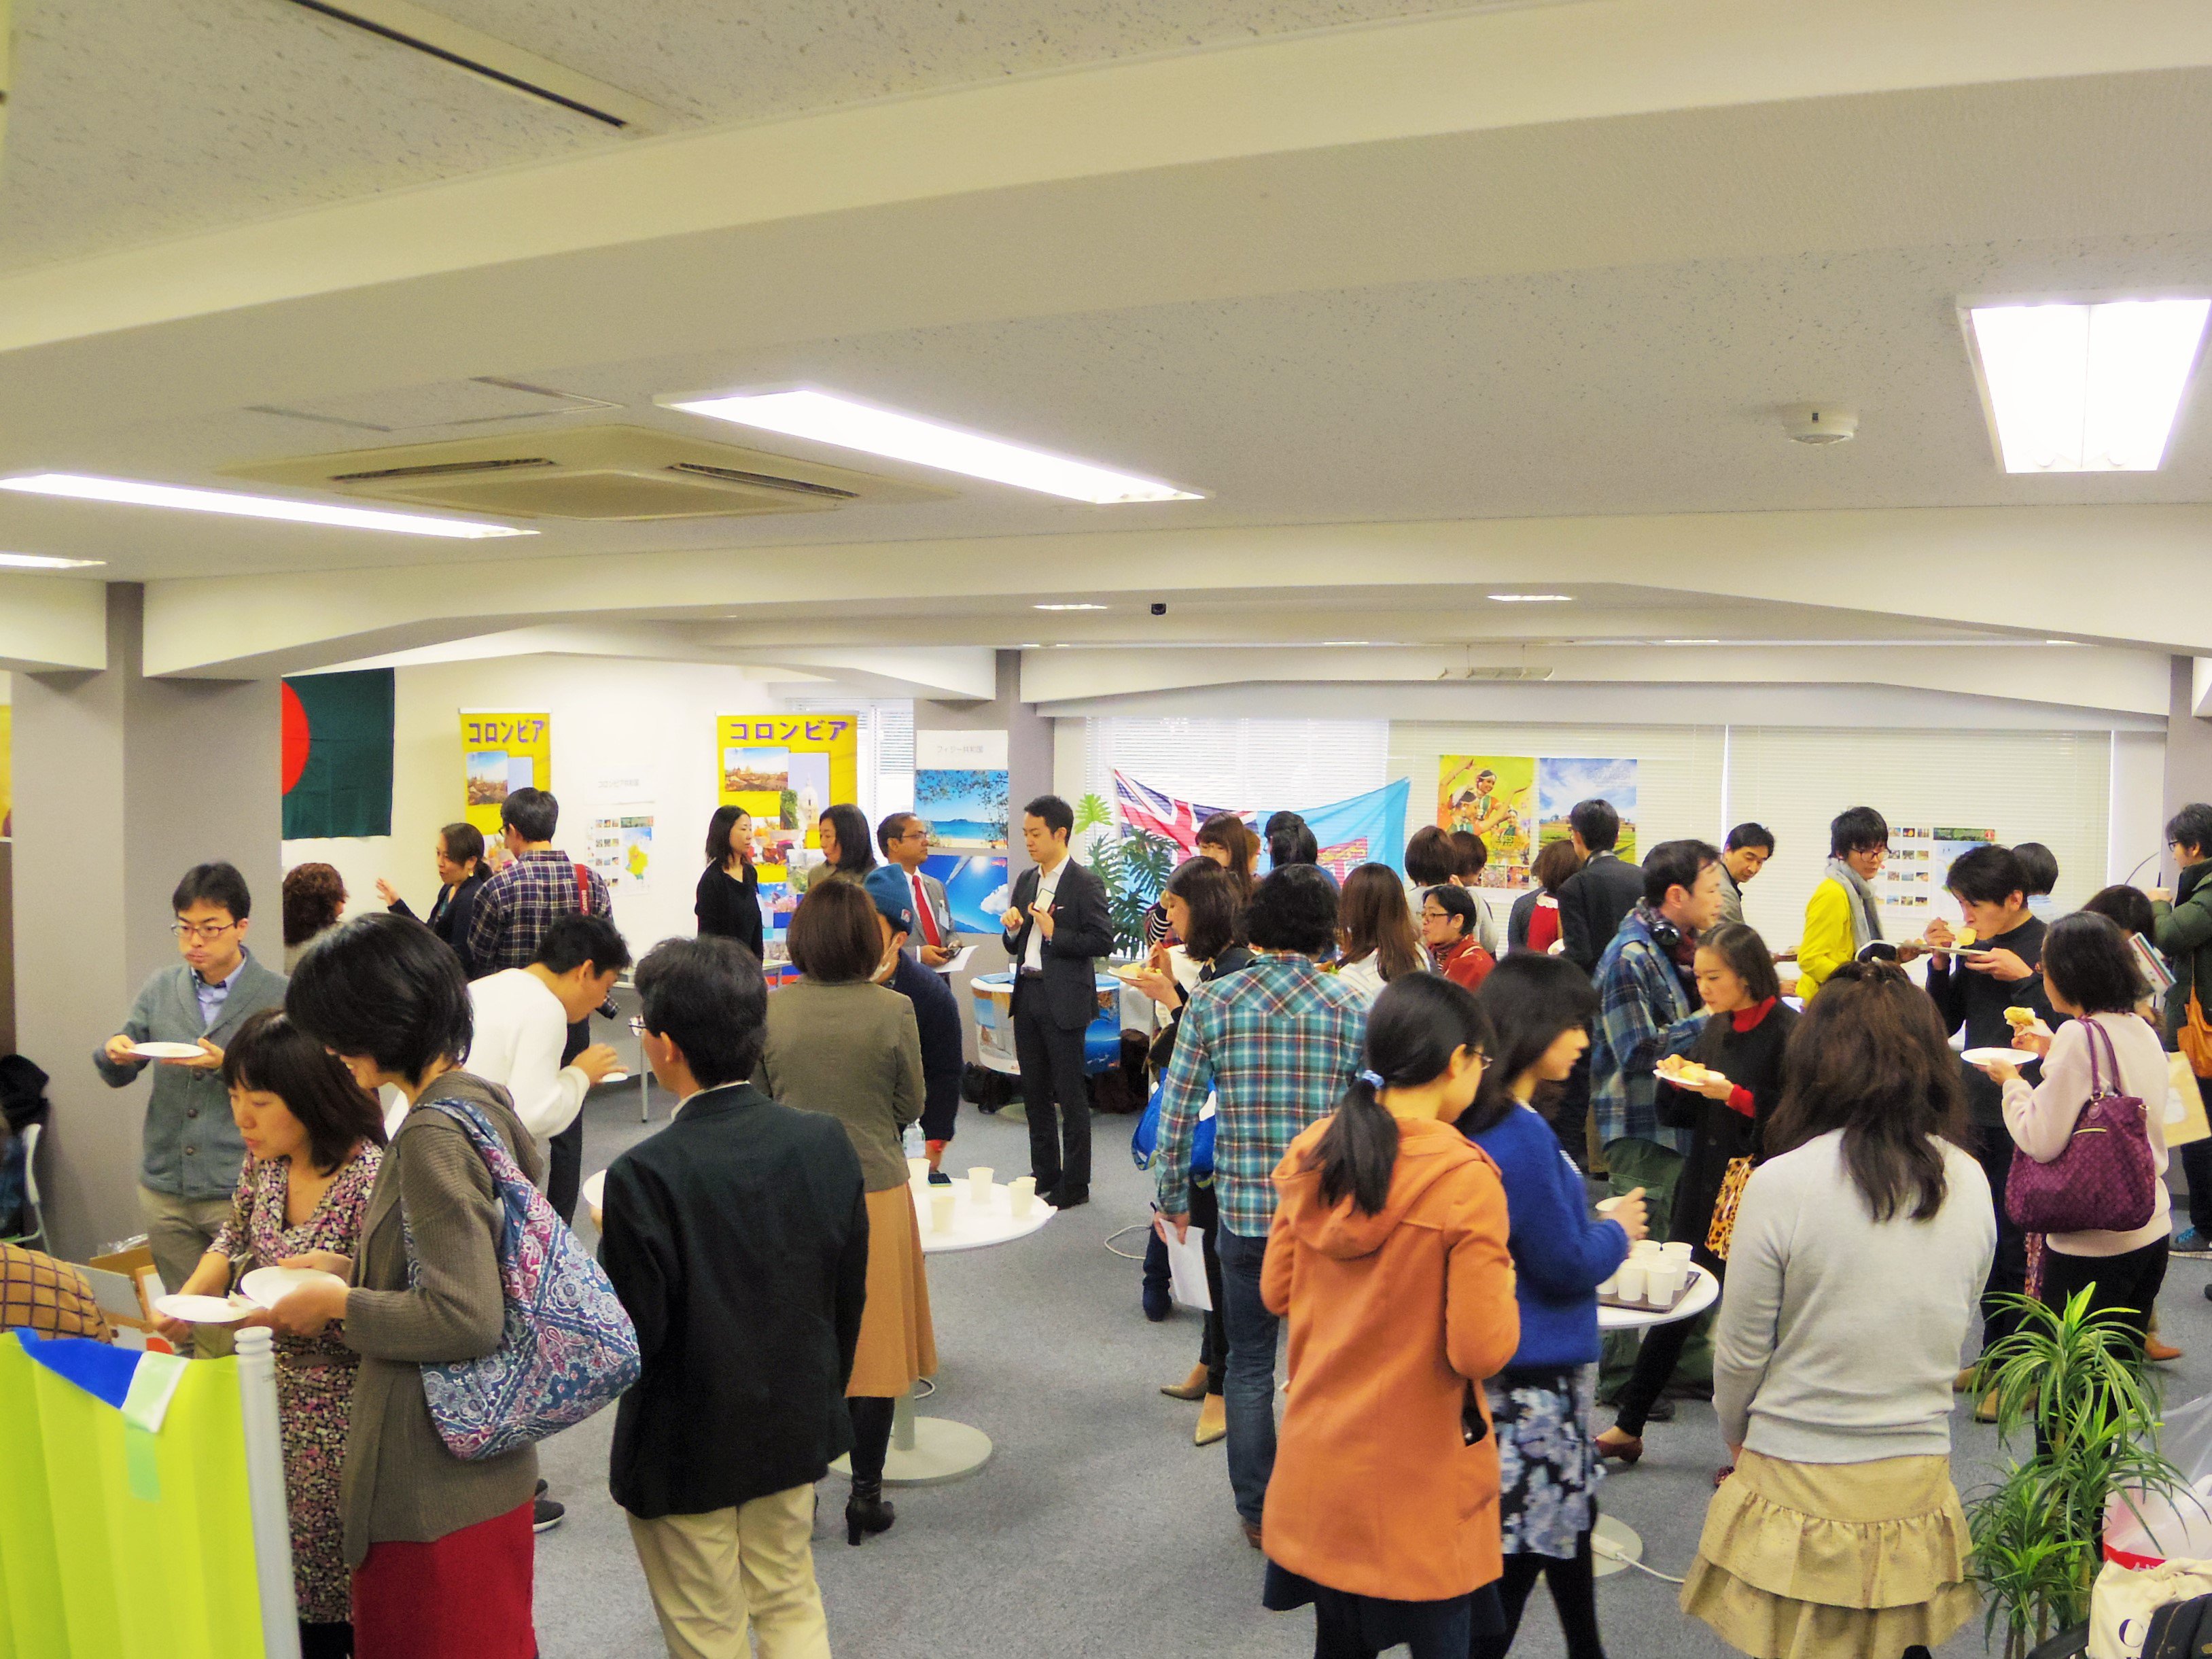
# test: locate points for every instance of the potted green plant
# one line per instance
(2076, 1384)
(1133, 865)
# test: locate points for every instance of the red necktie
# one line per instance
(921, 908)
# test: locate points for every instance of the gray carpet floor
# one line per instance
(1098, 1529)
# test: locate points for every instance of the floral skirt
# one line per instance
(1548, 1467)
(1833, 1561)
(312, 1401)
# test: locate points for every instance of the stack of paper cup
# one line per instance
(979, 1184)
(940, 1209)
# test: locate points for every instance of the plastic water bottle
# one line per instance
(914, 1144)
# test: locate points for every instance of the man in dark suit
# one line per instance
(936, 1013)
(1595, 897)
(737, 1239)
(1057, 925)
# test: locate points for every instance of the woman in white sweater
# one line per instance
(2092, 978)
(1840, 1533)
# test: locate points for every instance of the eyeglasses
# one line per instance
(920, 832)
(209, 934)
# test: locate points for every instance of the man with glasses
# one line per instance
(905, 841)
(192, 1151)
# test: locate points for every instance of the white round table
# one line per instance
(1615, 1542)
(926, 1450)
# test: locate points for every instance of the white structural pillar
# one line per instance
(121, 784)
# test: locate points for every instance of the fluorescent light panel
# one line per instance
(45, 562)
(131, 492)
(829, 419)
(1532, 598)
(2086, 388)
(1068, 607)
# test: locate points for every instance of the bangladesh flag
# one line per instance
(338, 754)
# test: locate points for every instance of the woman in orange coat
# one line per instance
(1389, 1258)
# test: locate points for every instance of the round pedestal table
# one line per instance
(926, 1450)
(1615, 1542)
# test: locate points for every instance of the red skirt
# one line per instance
(465, 1596)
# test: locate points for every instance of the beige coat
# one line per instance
(852, 1052)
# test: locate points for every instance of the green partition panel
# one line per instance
(92, 1565)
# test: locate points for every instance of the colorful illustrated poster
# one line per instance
(622, 845)
(1913, 881)
(784, 769)
(960, 787)
(500, 753)
(1495, 797)
(1561, 782)
(975, 887)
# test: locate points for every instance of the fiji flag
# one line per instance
(1161, 815)
(337, 754)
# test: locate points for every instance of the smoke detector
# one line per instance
(1820, 424)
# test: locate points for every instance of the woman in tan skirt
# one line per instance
(840, 1044)
(1853, 1277)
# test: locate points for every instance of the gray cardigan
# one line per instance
(399, 1483)
(853, 1052)
(191, 1148)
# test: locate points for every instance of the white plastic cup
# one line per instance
(1644, 1249)
(940, 1209)
(1676, 1250)
(979, 1184)
(1629, 1282)
(1611, 1287)
(1607, 1206)
(1663, 1285)
(917, 1171)
(1021, 1191)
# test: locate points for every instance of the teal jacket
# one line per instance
(191, 1147)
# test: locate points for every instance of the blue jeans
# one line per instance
(1248, 1388)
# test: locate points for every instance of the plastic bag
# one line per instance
(2143, 1528)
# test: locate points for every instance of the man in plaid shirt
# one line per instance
(1648, 1007)
(1277, 1045)
(537, 886)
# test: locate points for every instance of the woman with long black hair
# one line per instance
(728, 903)
(1540, 1008)
(1388, 1257)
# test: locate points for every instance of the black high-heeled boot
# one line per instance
(866, 1512)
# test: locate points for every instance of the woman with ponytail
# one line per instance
(1388, 1257)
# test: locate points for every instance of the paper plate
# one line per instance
(167, 1050)
(2000, 1057)
(594, 1190)
(267, 1287)
(614, 1077)
(200, 1309)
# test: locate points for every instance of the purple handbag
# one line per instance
(2104, 1180)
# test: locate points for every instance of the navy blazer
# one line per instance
(936, 1017)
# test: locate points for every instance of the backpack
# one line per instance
(568, 1348)
(1147, 1136)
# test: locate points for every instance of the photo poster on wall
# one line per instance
(1913, 881)
(1561, 782)
(1494, 796)
(621, 845)
(783, 769)
(975, 887)
(503, 751)
(960, 787)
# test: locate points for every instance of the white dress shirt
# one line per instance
(1048, 891)
(521, 1029)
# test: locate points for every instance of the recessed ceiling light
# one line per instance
(1069, 607)
(45, 562)
(1533, 598)
(1345, 642)
(2086, 388)
(136, 494)
(829, 419)
(1029, 645)
(1689, 642)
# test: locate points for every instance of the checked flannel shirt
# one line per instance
(1277, 1045)
(517, 905)
(1646, 1009)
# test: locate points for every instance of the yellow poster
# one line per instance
(501, 752)
(1494, 796)
(784, 769)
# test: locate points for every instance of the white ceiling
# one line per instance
(134, 121)
(1562, 297)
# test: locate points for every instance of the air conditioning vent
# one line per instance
(597, 473)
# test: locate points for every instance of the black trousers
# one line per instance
(2196, 1170)
(564, 1175)
(1213, 1341)
(2125, 1286)
(1054, 1090)
(1993, 1150)
(871, 1436)
(1574, 1594)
